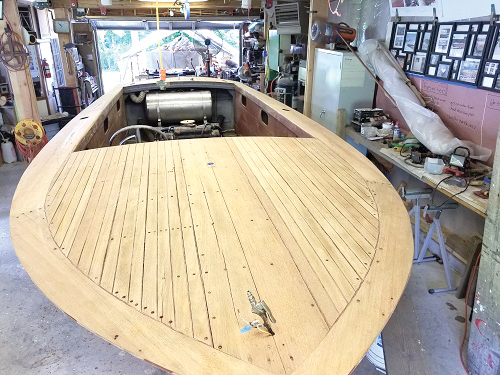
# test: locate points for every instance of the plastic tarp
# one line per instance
(425, 125)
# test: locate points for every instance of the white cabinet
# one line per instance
(339, 82)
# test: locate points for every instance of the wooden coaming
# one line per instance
(153, 246)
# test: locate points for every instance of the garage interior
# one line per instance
(409, 87)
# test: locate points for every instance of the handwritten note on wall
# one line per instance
(470, 113)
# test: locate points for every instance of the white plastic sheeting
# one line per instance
(425, 125)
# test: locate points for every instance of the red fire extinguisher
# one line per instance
(46, 69)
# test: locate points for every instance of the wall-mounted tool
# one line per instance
(13, 52)
(332, 33)
(262, 310)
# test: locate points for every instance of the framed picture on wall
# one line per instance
(479, 44)
(418, 64)
(469, 70)
(443, 70)
(488, 82)
(426, 41)
(458, 45)
(443, 39)
(459, 50)
(490, 70)
(410, 41)
(496, 51)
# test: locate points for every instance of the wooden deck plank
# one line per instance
(199, 313)
(106, 237)
(73, 246)
(112, 253)
(96, 224)
(137, 265)
(269, 268)
(325, 291)
(342, 201)
(337, 170)
(149, 279)
(165, 290)
(123, 267)
(219, 250)
(333, 221)
(71, 221)
(345, 278)
(182, 304)
(55, 188)
(76, 185)
(330, 234)
(341, 270)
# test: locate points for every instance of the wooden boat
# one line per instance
(154, 246)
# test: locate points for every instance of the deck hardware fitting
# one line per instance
(262, 310)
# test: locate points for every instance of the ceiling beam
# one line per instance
(145, 13)
(136, 4)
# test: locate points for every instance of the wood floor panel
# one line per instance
(95, 228)
(149, 279)
(106, 237)
(77, 183)
(71, 222)
(199, 316)
(73, 246)
(180, 284)
(137, 265)
(341, 173)
(165, 289)
(123, 268)
(56, 190)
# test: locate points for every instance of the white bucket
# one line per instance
(376, 355)
(8, 152)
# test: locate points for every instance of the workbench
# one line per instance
(467, 198)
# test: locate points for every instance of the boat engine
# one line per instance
(174, 115)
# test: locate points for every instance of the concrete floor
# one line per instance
(37, 338)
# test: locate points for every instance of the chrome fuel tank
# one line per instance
(173, 107)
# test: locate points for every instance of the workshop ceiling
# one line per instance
(144, 9)
(139, 4)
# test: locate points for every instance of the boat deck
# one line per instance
(174, 228)
(153, 246)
